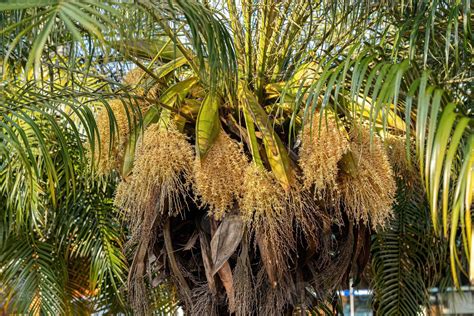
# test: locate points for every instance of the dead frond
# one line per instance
(244, 291)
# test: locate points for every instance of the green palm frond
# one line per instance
(81, 225)
(30, 130)
(407, 258)
(37, 19)
(34, 277)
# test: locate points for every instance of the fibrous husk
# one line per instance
(368, 191)
(219, 175)
(323, 145)
(244, 291)
(271, 300)
(203, 302)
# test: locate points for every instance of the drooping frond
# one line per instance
(407, 259)
(81, 227)
(35, 278)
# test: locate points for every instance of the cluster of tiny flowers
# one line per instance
(323, 146)
(369, 193)
(161, 175)
(219, 175)
(111, 148)
(262, 195)
(136, 79)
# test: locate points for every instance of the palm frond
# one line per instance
(407, 258)
(34, 278)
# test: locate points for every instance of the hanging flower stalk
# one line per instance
(323, 145)
(122, 117)
(111, 147)
(264, 208)
(161, 177)
(367, 183)
(219, 175)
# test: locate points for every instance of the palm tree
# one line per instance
(326, 135)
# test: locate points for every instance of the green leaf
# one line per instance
(147, 49)
(39, 43)
(435, 107)
(208, 125)
(458, 208)
(406, 257)
(170, 66)
(250, 124)
(450, 156)
(437, 157)
(277, 154)
(24, 4)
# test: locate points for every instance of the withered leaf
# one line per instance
(225, 274)
(225, 241)
(191, 242)
(206, 259)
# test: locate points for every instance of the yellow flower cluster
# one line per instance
(368, 193)
(219, 176)
(323, 146)
(122, 115)
(110, 149)
(161, 175)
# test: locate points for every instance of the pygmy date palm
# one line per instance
(264, 151)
